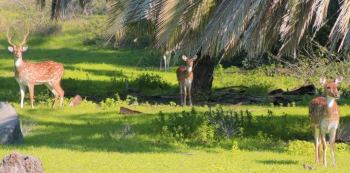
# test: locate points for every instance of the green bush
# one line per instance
(225, 123)
(212, 126)
(149, 84)
(186, 127)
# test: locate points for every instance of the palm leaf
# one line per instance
(341, 28)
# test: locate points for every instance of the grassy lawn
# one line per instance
(91, 137)
(88, 139)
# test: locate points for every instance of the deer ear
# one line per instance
(10, 48)
(194, 57)
(184, 57)
(24, 48)
(323, 80)
(338, 80)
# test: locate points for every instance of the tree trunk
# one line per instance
(203, 74)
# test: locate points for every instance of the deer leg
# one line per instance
(168, 63)
(164, 58)
(317, 144)
(332, 135)
(22, 89)
(56, 96)
(319, 148)
(324, 146)
(185, 94)
(60, 92)
(31, 94)
(190, 94)
(181, 94)
(49, 86)
(161, 63)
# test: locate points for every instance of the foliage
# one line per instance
(94, 30)
(225, 123)
(220, 125)
(186, 127)
(146, 82)
(254, 26)
(299, 147)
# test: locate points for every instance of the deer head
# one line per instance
(189, 62)
(331, 87)
(17, 50)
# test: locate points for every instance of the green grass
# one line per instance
(89, 138)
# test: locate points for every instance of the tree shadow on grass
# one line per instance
(70, 57)
(95, 90)
(89, 132)
(105, 131)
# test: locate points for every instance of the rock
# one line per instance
(10, 130)
(76, 101)
(124, 110)
(275, 92)
(308, 167)
(19, 163)
(279, 100)
(280, 97)
(304, 90)
(343, 133)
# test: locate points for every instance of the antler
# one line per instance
(25, 38)
(9, 38)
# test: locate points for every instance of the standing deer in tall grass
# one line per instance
(29, 74)
(324, 115)
(185, 77)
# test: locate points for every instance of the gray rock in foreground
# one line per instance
(19, 163)
(343, 133)
(10, 130)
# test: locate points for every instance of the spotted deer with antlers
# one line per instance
(324, 115)
(29, 74)
(185, 77)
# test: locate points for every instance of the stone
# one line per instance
(19, 163)
(76, 101)
(343, 133)
(10, 130)
(124, 110)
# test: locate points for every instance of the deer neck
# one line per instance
(19, 65)
(189, 69)
(19, 62)
(330, 101)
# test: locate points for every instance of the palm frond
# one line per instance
(263, 31)
(295, 23)
(341, 27)
(122, 12)
(227, 25)
(321, 13)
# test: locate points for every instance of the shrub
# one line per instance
(150, 81)
(150, 84)
(186, 127)
(224, 123)
(131, 100)
(95, 32)
(48, 28)
(210, 127)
